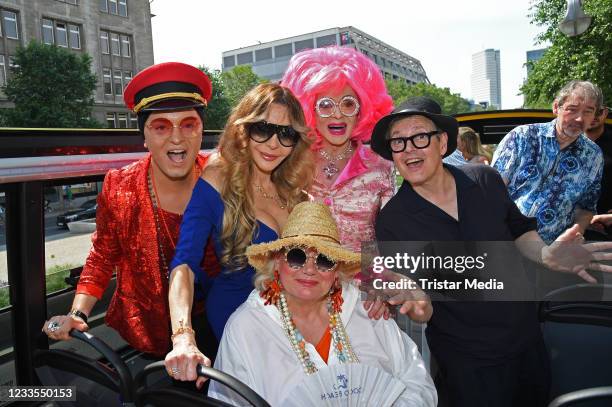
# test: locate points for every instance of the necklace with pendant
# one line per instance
(331, 168)
(281, 204)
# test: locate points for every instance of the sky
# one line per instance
(442, 34)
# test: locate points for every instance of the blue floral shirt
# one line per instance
(455, 158)
(546, 182)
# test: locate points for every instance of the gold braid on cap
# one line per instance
(172, 95)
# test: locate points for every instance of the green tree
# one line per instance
(451, 103)
(50, 87)
(587, 56)
(219, 108)
(238, 81)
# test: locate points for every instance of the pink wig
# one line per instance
(315, 72)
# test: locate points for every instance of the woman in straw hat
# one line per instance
(244, 196)
(305, 314)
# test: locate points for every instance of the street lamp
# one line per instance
(575, 21)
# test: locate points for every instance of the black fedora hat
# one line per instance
(421, 106)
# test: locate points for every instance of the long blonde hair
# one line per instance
(291, 178)
(471, 143)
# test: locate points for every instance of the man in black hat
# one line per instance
(488, 354)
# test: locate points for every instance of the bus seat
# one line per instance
(580, 397)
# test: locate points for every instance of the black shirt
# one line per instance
(486, 331)
(605, 143)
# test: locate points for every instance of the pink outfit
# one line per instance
(363, 187)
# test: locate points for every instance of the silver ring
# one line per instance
(53, 326)
(175, 371)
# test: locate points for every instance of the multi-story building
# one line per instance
(486, 78)
(115, 33)
(270, 59)
(533, 56)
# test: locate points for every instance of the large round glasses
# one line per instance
(297, 257)
(420, 141)
(188, 127)
(263, 131)
(348, 106)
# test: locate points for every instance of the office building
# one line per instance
(486, 78)
(533, 56)
(270, 59)
(115, 33)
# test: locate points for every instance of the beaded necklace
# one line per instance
(342, 345)
(158, 224)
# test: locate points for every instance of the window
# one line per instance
(2, 71)
(285, 50)
(245, 58)
(74, 2)
(263, 54)
(108, 88)
(117, 82)
(47, 31)
(304, 44)
(62, 34)
(122, 120)
(125, 45)
(133, 121)
(127, 77)
(112, 6)
(75, 36)
(110, 120)
(104, 44)
(9, 18)
(326, 40)
(104, 8)
(123, 8)
(115, 44)
(228, 62)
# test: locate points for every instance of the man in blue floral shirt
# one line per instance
(552, 170)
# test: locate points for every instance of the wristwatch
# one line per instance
(78, 314)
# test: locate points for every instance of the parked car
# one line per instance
(87, 210)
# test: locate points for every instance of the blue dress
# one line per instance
(204, 218)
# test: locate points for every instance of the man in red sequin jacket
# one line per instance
(140, 210)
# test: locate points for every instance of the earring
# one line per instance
(335, 296)
(272, 292)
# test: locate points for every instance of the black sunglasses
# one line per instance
(297, 257)
(263, 131)
(420, 141)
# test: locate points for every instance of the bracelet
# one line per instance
(78, 314)
(182, 330)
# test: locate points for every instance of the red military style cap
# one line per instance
(168, 86)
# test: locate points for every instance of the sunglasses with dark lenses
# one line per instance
(420, 141)
(326, 106)
(297, 257)
(263, 131)
(188, 127)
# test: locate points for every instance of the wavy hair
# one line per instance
(315, 72)
(291, 178)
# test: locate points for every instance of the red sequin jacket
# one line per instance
(126, 242)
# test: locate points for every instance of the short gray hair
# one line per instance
(587, 89)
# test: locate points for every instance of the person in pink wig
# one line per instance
(343, 95)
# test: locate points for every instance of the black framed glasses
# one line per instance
(348, 106)
(297, 257)
(420, 141)
(263, 131)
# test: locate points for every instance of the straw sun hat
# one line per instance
(310, 224)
